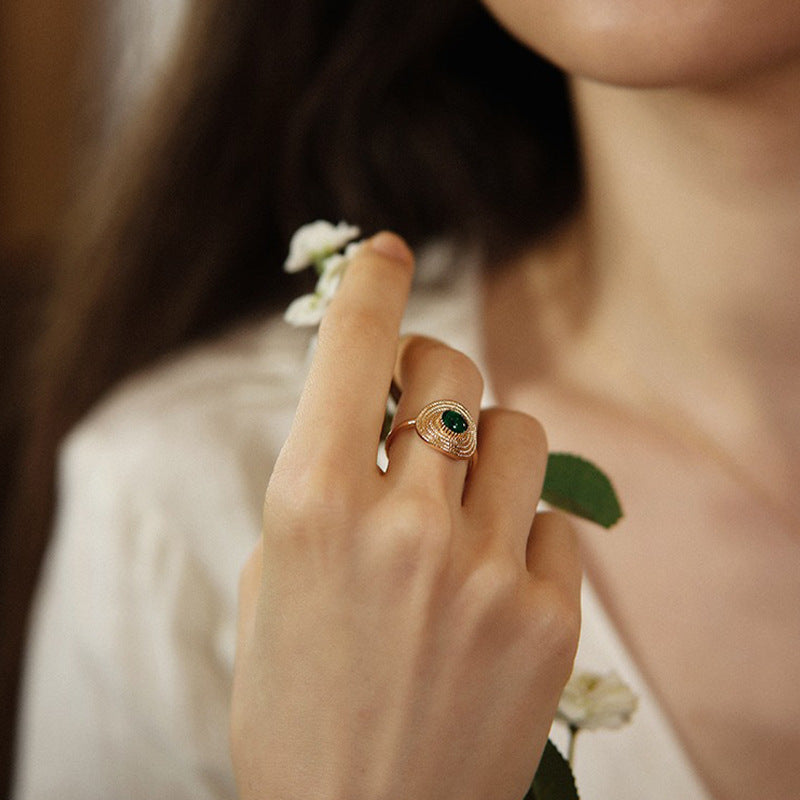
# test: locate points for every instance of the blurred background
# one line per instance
(72, 72)
(41, 45)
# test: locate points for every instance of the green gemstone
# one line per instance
(454, 421)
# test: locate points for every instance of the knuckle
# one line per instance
(559, 627)
(421, 517)
(528, 431)
(488, 605)
(418, 531)
(461, 369)
(299, 505)
(454, 366)
(494, 584)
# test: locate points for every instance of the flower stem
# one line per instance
(319, 265)
(573, 735)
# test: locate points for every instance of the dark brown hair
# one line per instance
(424, 117)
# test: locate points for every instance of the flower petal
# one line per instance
(328, 283)
(307, 310)
(317, 240)
(352, 248)
(591, 701)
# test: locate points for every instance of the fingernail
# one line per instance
(392, 246)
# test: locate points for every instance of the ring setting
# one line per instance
(445, 425)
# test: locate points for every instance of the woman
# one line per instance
(650, 327)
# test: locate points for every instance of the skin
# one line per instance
(404, 634)
(656, 42)
(677, 365)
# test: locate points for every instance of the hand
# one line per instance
(402, 635)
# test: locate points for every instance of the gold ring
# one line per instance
(446, 426)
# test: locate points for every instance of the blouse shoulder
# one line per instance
(180, 455)
(221, 408)
(160, 492)
(215, 386)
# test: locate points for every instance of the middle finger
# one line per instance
(429, 370)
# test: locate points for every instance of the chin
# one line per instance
(657, 43)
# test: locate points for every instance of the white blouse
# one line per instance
(130, 659)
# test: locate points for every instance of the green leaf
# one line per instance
(553, 779)
(576, 485)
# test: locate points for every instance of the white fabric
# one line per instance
(130, 660)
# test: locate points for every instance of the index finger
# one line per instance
(342, 406)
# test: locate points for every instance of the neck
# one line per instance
(692, 231)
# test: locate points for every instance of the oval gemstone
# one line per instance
(454, 421)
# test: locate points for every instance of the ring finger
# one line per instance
(428, 370)
(503, 491)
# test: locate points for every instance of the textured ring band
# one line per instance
(446, 426)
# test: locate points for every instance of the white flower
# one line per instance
(316, 241)
(591, 700)
(352, 249)
(333, 268)
(332, 272)
(309, 309)
(306, 310)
